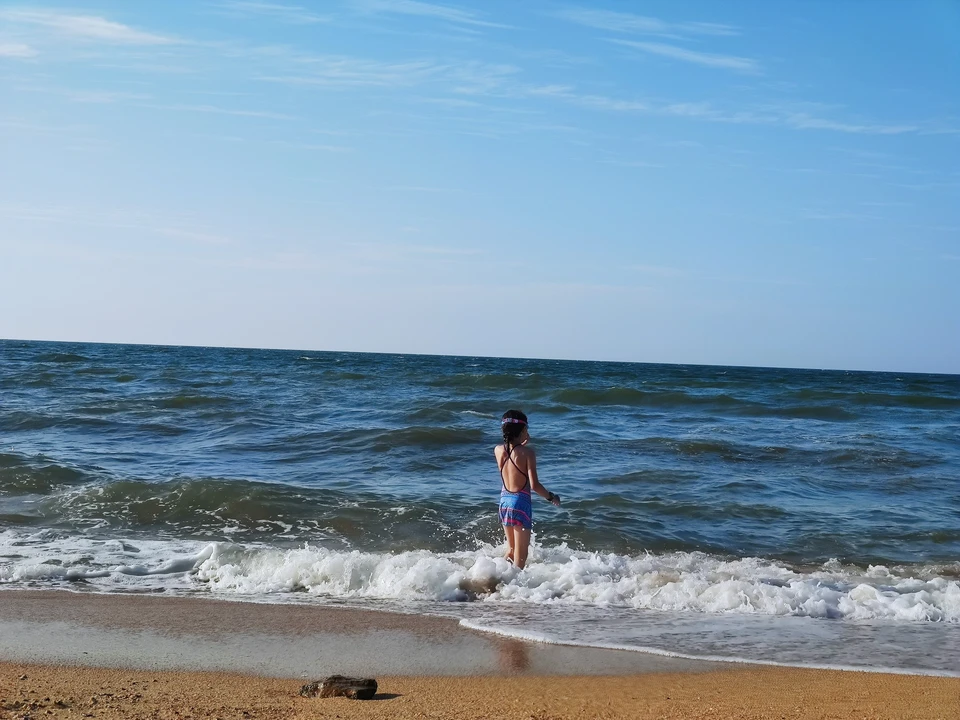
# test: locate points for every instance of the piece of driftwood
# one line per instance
(341, 686)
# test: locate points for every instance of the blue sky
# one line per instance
(756, 183)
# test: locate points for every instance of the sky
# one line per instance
(737, 183)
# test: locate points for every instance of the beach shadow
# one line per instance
(386, 696)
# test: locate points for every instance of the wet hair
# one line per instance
(512, 425)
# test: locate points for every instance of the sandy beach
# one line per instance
(86, 655)
(75, 692)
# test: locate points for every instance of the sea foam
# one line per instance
(560, 576)
(692, 582)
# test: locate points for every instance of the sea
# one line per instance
(794, 517)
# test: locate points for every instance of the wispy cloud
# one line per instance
(726, 62)
(103, 96)
(437, 250)
(17, 50)
(202, 237)
(479, 78)
(472, 77)
(761, 115)
(147, 67)
(114, 219)
(855, 217)
(391, 253)
(88, 28)
(460, 103)
(83, 96)
(293, 14)
(803, 121)
(424, 189)
(225, 111)
(641, 25)
(947, 186)
(596, 102)
(937, 128)
(661, 270)
(479, 125)
(430, 10)
(332, 71)
(312, 146)
(30, 127)
(680, 143)
(632, 163)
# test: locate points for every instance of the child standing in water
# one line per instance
(518, 476)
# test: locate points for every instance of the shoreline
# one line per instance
(259, 621)
(69, 654)
(722, 661)
(152, 631)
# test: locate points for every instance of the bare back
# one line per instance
(515, 467)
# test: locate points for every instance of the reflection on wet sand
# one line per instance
(513, 655)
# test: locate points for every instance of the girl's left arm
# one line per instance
(535, 480)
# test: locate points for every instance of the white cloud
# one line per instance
(633, 163)
(389, 253)
(856, 217)
(596, 102)
(293, 14)
(763, 115)
(479, 78)
(114, 219)
(660, 270)
(424, 188)
(807, 122)
(335, 71)
(423, 9)
(641, 25)
(436, 250)
(727, 62)
(225, 111)
(282, 65)
(312, 146)
(84, 96)
(86, 27)
(16, 50)
(103, 96)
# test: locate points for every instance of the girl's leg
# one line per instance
(511, 541)
(522, 544)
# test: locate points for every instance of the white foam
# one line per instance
(52, 556)
(546, 639)
(671, 582)
(678, 582)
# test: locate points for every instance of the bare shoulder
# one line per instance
(525, 451)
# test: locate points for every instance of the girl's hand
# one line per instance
(553, 498)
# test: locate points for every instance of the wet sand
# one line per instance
(75, 655)
(293, 641)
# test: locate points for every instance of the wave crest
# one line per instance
(676, 582)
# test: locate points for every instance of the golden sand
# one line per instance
(37, 691)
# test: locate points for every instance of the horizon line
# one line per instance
(483, 357)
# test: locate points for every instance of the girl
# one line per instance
(518, 476)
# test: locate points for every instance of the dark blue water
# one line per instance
(687, 489)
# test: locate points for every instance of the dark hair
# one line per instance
(515, 425)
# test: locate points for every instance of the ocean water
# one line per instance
(791, 516)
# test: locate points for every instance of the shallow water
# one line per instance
(707, 510)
